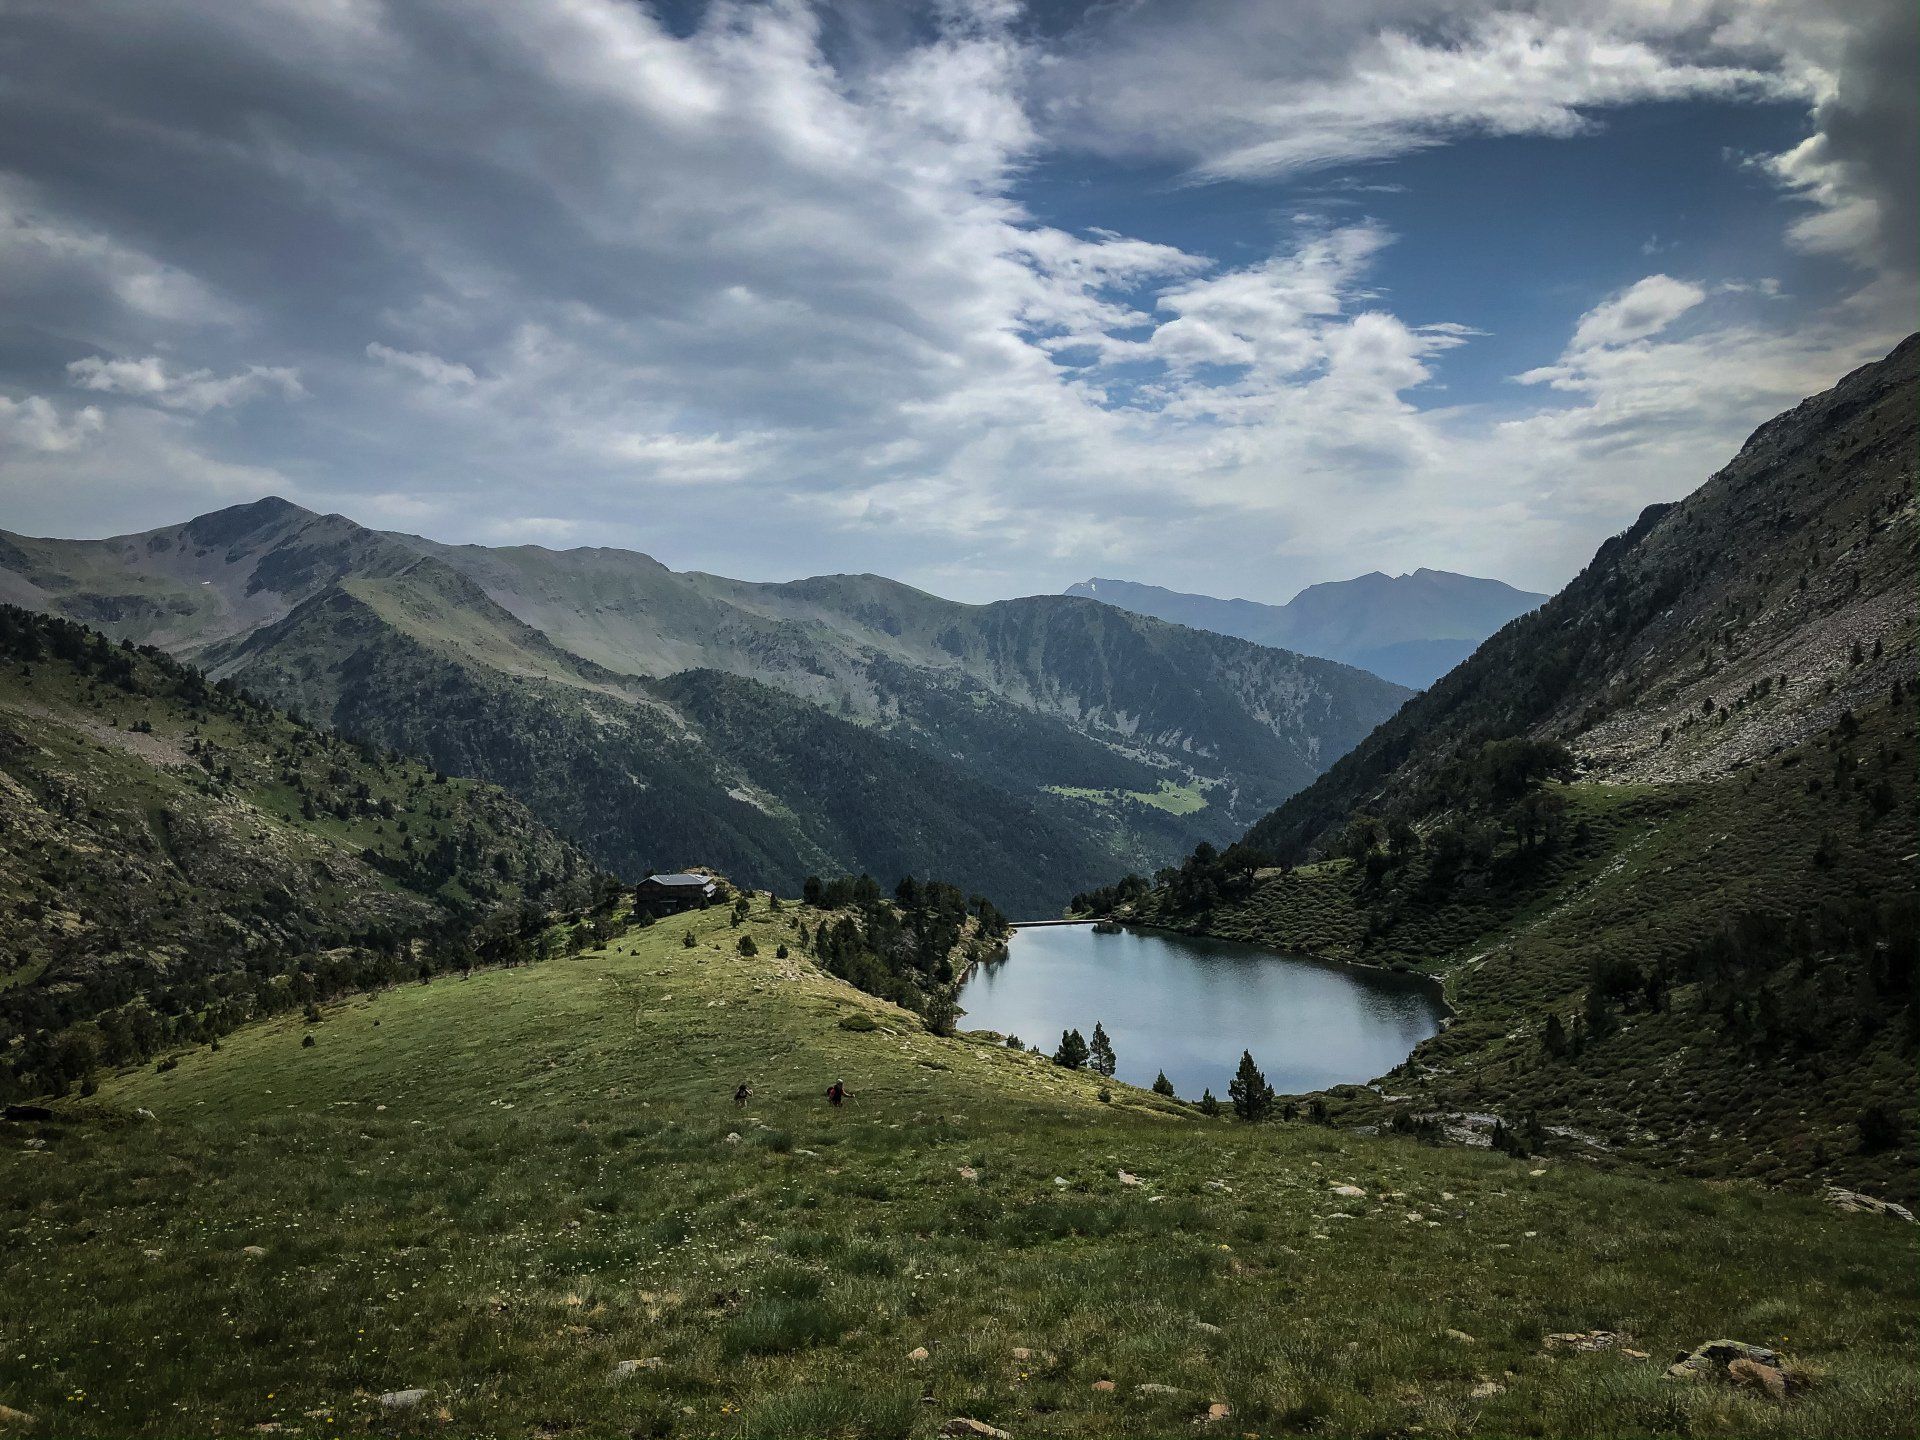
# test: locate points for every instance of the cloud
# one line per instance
(35, 424)
(423, 366)
(564, 261)
(197, 391)
(1644, 308)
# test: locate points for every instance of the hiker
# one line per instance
(740, 1096)
(836, 1092)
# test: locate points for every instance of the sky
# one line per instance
(1223, 295)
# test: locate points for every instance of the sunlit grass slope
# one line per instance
(497, 1189)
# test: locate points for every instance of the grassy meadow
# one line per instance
(495, 1190)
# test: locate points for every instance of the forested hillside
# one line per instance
(176, 856)
(1658, 838)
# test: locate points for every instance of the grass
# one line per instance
(1188, 799)
(497, 1188)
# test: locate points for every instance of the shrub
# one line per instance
(857, 1022)
(747, 947)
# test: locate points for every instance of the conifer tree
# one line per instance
(1073, 1050)
(1162, 1085)
(1251, 1095)
(1100, 1056)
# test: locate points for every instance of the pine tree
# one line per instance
(1100, 1056)
(1162, 1085)
(1208, 1105)
(1251, 1095)
(1072, 1052)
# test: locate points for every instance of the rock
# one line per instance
(1105, 1387)
(1760, 1377)
(1128, 1178)
(1021, 1352)
(1207, 1329)
(36, 1144)
(967, 1172)
(961, 1426)
(142, 1113)
(626, 1368)
(1486, 1390)
(919, 1353)
(1219, 1185)
(1633, 1354)
(1061, 1181)
(1218, 1411)
(1152, 1389)
(1352, 1192)
(153, 1254)
(1585, 1340)
(254, 1252)
(12, 1419)
(401, 1399)
(1721, 1354)
(1845, 1200)
(1459, 1336)
(733, 1137)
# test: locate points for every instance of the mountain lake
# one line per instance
(1189, 1005)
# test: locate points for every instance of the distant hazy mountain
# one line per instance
(1410, 629)
(1025, 749)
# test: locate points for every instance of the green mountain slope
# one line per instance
(1410, 629)
(172, 851)
(495, 1192)
(1658, 837)
(1040, 743)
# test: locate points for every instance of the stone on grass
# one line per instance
(1759, 1377)
(1352, 1192)
(1128, 1178)
(401, 1399)
(12, 1419)
(1486, 1390)
(1459, 1336)
(1218, 1411)
(919, 1353)
(733, 1137)
(1021, 1352)
(1866, 1204)
(967, 1172)
(1152, 1389)
(1207, 1328)
(962, 1427)
(626, 1368)
(254, 1252)
(1585, 1340)
(142, 1113)
(1105, 1387)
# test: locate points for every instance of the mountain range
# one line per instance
(1026, 748)
(1410, 629)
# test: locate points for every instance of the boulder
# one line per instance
(12, 1419)
(402, 1399)
(961, 1427)
(1862, 1204)
(1351, 1192)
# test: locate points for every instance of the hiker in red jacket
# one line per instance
(836, 1092)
